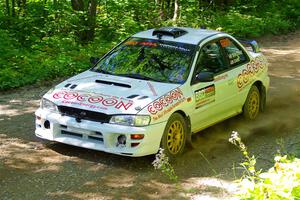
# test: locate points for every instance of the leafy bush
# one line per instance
(240, 24)
(280, 182)
(42, 41)
(50, 58)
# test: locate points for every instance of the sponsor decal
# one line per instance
(255, 67)
(167, 110)
(165, 103)
(142, 43)
(94, 101)
(155, 44)
(205, 96)
(178, 48)
(235, 57)
(221, 77)
(225, 42)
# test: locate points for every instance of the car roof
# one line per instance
(191, 35)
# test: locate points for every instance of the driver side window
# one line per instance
(210, 59)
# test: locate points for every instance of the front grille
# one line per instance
(83, 134)
(95, 138)
(63, 132)
(84, 114)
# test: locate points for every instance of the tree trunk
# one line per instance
(168, 9)
(7, 7)
(13, 4)
(45, 13)
(91, 21)
(77, 5)
(88, 21)
(176, 10)
(55, 6)
(162, 12)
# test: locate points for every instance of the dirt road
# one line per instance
(30, 171)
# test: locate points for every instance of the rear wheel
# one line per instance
(174, 137)
(252, 105)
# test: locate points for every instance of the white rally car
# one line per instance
(156, 89)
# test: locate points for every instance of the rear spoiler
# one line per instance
(250, 45)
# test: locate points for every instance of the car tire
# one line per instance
(174, 137)
(252, 104)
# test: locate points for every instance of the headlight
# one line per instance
(130, 120)
(48, 105)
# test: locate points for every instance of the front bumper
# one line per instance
(98, 136)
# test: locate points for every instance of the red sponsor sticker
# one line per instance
(143, 43)
(225, 42)
(165, 101)
(92, 101)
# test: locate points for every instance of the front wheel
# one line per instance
(252, 105)
(174, 137)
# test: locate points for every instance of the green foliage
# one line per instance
(47, 39)
(280, 182)
(52, 57)
(249, 162)
(240, 24)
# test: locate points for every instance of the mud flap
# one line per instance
(263, 97)
(189, 143)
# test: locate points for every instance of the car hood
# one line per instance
(106, 93)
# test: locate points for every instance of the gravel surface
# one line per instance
(32, 170)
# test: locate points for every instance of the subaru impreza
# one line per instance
(154, 90)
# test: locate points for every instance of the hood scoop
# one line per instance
(113, 83)
(135, 96)
(72, 86)
(132, 96)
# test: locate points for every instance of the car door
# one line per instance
(214, 100)
(237, 60)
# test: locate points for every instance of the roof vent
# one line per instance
(169, 31)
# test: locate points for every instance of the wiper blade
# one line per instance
(138, 76)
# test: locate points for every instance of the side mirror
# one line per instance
(94, 60)
(205, 77)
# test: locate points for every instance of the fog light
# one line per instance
(137, 136)
(121, 141)
(135, 144)
(47, 124)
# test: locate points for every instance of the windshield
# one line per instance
(150, 60)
